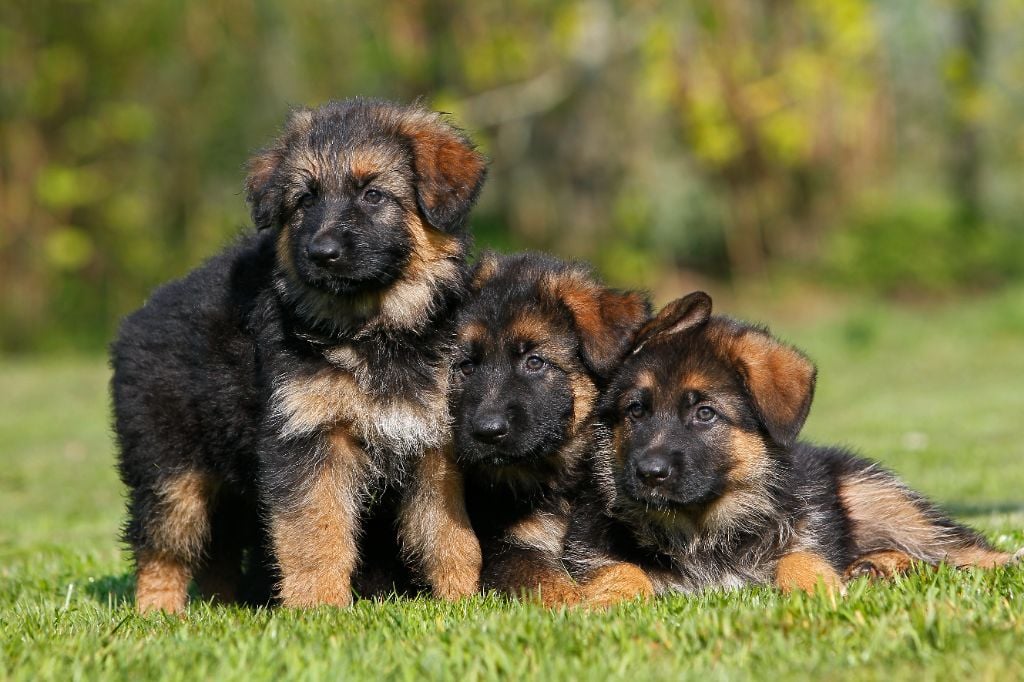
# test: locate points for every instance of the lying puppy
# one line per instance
(537, 340)
(301, 376)
(703, 484)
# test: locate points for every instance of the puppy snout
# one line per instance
(654, 469)
(490, 427)
(325, 249)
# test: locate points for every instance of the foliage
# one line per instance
(722, 136)
(901, 246)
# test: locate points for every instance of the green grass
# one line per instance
(936, 393)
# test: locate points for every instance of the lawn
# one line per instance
(935, 392)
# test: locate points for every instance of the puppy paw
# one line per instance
(880, 565)
(616, 583)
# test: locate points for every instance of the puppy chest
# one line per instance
(388, 425)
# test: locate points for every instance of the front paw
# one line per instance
(610, 585)
(879, 565)
(459, 577)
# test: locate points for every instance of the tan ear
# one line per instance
(486, 267)
(263, 191)
(779, 378)
(449, 172)
(680, 315)
(605, 319)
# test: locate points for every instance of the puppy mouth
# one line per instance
(330, 280)
(687, 502)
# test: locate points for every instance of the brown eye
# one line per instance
(307, 200)
(467, 368)
(636, 410)
(373, 196)
(705, 414)
(534, 363)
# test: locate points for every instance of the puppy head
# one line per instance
(363, 190)
(702, 414)
(537, 339)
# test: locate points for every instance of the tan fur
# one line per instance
(884, 564)
(547, 585)
(473, 332)
(530, 327)
(368, 163)
(599, 313)
(485, 270)
(804, 571)
(615, 583)
(541, 530)
(182, 527)
(315, 540)
(695, 381)
(584, 395)
(433, 265)
(646, 380)
(343, 396)
(435, 527)
(779, 377)
(161, 583)
(448, 169)
(884, 517)
(749, 457)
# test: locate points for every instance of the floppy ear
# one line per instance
(680, 315)
(263, 191)
(605, 319)
(449, 172)
(779, 378)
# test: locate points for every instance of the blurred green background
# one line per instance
(854, 145)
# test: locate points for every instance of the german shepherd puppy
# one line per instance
(293, 383)
(537, 341)
(702, 483)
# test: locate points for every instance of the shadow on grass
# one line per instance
(113, 590)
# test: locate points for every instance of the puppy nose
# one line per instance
(654, 469)
(324, 249)
(490, 428)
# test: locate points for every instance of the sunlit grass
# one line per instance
(937, 394)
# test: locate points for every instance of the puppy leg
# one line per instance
(881, 564)
(435, 529)
(170, 538)
(219, 576)
(314, 536)
(615, 583)
(532, 575)
(803, 571)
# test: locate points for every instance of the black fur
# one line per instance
(652, 501)
(197, 367)
(521, 402)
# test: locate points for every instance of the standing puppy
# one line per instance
(286, 385)
(704, 485)
(537, 339)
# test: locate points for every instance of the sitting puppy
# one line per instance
(301, 377)
(537, 341)
(702, 484)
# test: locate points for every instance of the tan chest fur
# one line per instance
(343, 395)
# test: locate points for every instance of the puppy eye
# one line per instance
(534, 363)
(307, 200)
(373, 196)
(635, 410)
(467, 367)
(705, 414)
